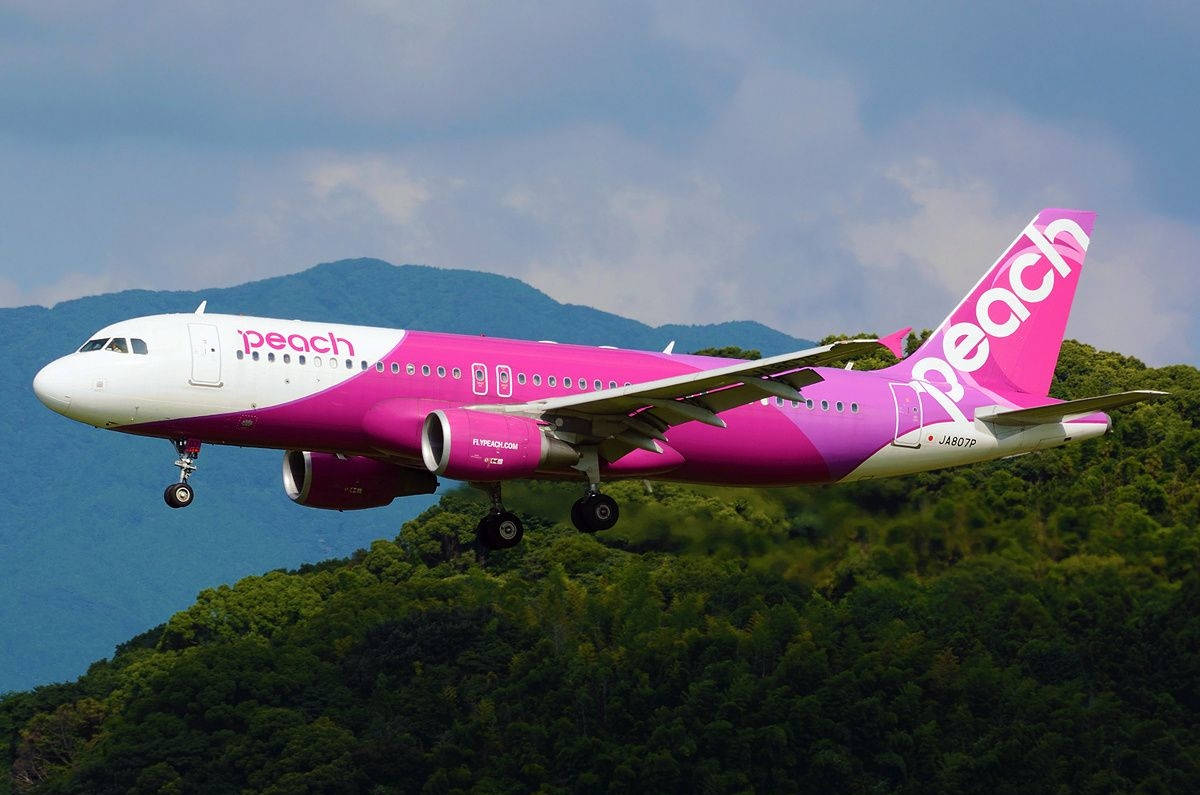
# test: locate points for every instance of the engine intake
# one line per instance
(324, 480)
(477, 445)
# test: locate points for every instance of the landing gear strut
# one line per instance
(180, 495)
(593, 512)
(500, 529)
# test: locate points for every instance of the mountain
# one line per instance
(90, 555)
(1021, 625)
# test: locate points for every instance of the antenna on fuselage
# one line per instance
(200, 309)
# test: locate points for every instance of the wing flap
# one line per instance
(1057, 412)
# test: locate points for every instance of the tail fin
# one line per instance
(1006, 334)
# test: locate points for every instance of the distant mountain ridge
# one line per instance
(89, 555)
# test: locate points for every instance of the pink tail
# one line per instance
(1006, 334)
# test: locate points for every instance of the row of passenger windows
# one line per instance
(317, 361)
(480, 375)
(426, 370)
(115, 344)
(811, 405)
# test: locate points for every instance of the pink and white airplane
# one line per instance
(366, 415)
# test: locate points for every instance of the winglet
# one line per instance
(670, 347)
(200, 309)
(894, 342)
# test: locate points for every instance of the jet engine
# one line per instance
(477, 445)
(346, 483)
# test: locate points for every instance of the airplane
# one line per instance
(365, 415)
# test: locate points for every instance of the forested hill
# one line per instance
(89, 554)
(1024, 625)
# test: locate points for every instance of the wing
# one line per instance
(636, 416)
(1057, 412)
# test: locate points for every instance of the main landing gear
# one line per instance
(500, 529)
(180, 495)
(594, 512)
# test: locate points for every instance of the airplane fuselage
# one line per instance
(295, 385)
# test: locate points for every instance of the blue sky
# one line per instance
(817, 167)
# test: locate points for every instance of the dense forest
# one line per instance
(1026, 624)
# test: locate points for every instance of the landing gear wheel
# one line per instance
(501, 530)
(179, 495)
(595, 513)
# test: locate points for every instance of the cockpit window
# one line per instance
(139, 346)
(93, 345)
(117, 345)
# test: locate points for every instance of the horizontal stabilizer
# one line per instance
(1057, 412)
(894, 342)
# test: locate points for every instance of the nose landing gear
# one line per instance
(180, 495)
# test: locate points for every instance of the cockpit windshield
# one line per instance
(115, 345)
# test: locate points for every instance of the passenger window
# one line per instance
(316, 361)
(853, 408)
(396, 368)
(287, 358)
(520, 378)
(582, 384)
(379, 367)
(566, 382)
(839, 405)
(612, 384)
(441, 371)
(411, 369)
(240, 355)
(537, 380)
(93, 345)
(350, 364)
(425, 369)
(254, 355)
(364, 365)
(550, 380)
(778, 401)
(598, 384)
(117, 345)
(456, 373)
(809, 404)
(504, 376)
(332, 363)
(824, 405)
(139, 346)
(300, 358)
(270, 357)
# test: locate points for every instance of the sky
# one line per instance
(819, 167)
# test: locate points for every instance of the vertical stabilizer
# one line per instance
(1006, 334)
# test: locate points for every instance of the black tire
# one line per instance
(577, 518)
(179, 495)
(500, 530)
(595, 513)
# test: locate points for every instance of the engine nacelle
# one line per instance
(324, 480)
(478, 445)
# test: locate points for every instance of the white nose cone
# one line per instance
(52, 386)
